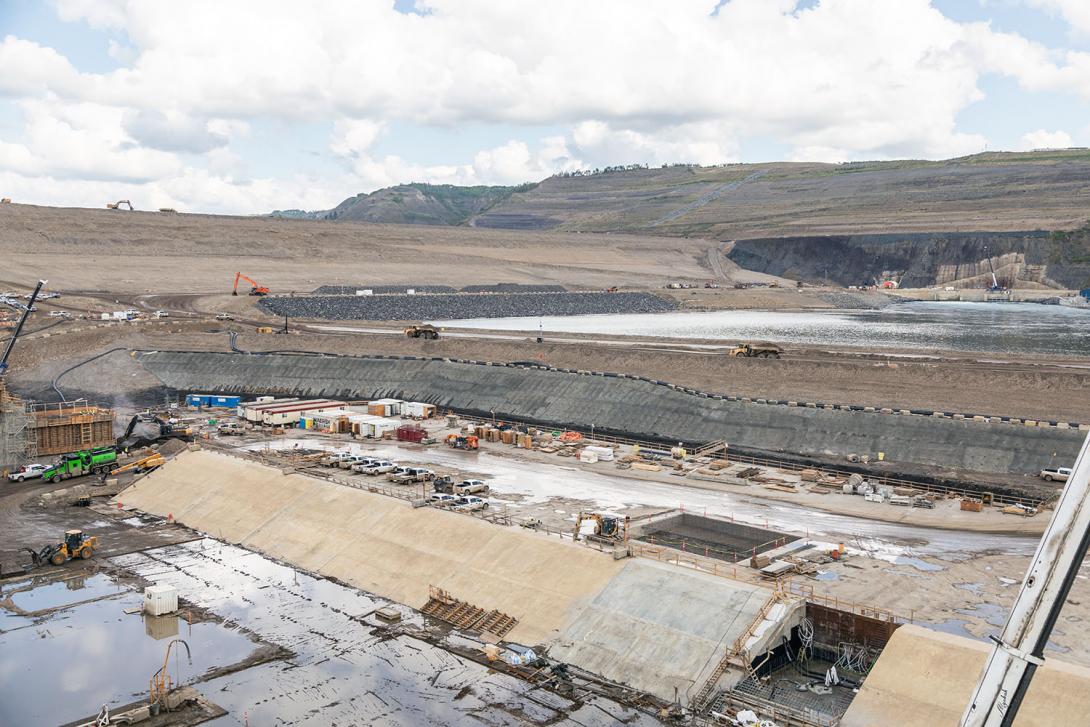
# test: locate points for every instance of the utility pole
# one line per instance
(1019, 650)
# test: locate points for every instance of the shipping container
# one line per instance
(197, 399)
(226, 402)
(160, 599)
(410, 433)
(390, 407)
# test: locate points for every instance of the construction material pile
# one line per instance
(463, 305)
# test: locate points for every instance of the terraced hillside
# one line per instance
(994, 192)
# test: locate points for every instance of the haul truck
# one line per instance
(88, 461)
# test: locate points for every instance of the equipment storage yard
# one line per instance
(392, 521)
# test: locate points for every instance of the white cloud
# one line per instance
(1043, 139)
(632, 81)
(1075, 12)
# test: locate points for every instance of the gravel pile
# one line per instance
(381, 289)
(464, 305)
(513, 288)
(850, 300)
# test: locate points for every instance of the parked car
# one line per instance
(161, 314)
(348, 462)
(59, 314)
(1059, 474)
(397, 472)
(412, 474)
(224, 317)
(232, 429)
(470, 503)
(380, 467)
(364, 463)
(27, 472)
(470, 487)
(441, 499)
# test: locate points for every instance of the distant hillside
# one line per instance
(850, 222)
(422, 204)
(996, 191)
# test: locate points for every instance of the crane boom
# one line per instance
(1019, 650)
(19, 327)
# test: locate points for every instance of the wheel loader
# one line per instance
(74, 545)
(757, 350)
(425, 331)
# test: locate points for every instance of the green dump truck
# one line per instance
(88, 461)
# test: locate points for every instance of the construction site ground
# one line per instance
(958, 574)
(1000, 386)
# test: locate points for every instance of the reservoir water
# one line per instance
(1015, 328)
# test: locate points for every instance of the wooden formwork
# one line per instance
(443, 606)
(63, 428)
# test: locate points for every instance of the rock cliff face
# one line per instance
(960, 259)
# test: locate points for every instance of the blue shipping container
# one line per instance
(226, 401)
(198, 400)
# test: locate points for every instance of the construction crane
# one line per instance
(1020, 648)
(255, 290)
(117, 205)
(19, 327)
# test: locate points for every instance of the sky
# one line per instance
(246, 106)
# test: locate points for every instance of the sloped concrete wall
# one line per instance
(377, 543)
(925, 678)
(625, 406)
(655, 627)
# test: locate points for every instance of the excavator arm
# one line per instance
(256, 289)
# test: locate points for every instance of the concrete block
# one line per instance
(1063, 425)
(792, 403)
(978, 418)
(1084, 427)
(886, 410)
(959, 417)
(1030, 423)
(811, 405)
(869, 409)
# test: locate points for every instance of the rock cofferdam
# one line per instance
(622, 406)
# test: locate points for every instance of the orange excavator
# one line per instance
(255, 290)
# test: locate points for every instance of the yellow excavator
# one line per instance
(606, 527)
(144, 464)
(117, 205)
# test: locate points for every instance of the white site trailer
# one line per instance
(292, 413)
(251, 411)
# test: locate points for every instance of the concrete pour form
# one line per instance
(622, 405)
(655, 627)
(650, 625)
(925, 678)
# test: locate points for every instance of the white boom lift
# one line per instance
(1020, 648)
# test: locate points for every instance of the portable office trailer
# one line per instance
(292, 413)
(251, 411)
(376, 427)
(418, 410)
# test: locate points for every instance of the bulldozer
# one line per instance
(425, 331)
(756, 350)
(74, 545)
(117, 205)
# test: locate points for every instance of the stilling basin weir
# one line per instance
(621, 405)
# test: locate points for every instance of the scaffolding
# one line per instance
(67, 427)
(15, 434)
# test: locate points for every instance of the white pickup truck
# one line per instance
(1059, 474)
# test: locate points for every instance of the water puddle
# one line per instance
(61, 593)
(344, 671)
(66, 666)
